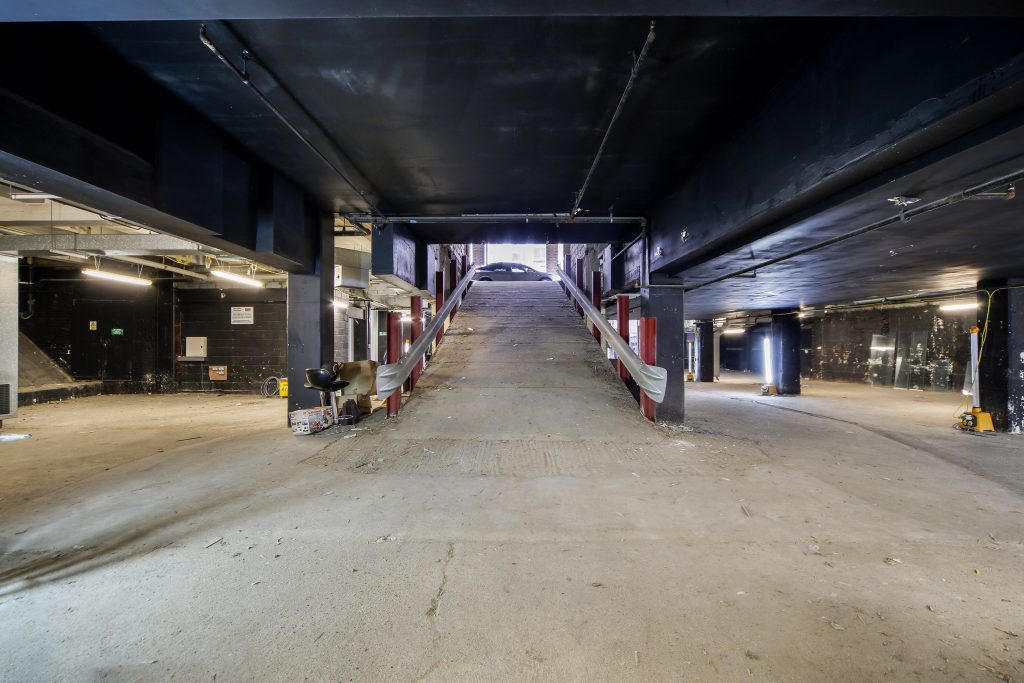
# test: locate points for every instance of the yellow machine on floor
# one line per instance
(977, 420)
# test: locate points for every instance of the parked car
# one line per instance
(510, 272)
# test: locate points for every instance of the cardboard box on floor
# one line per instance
(362, 378)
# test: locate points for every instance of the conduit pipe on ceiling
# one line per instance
(243, 76)
(615, 117)
(982, 190)
(503, 218)
(159, 266)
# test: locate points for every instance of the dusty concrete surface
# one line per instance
(518, 521)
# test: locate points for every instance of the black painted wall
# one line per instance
(155, 321)
(251, 352)
(60, 305)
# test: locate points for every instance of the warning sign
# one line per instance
(92, 325)
(242, 315)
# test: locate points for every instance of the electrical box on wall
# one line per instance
(195, 348)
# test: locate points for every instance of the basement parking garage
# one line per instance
(560, 341)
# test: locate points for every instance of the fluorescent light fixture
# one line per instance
(22, 196)
(70, 254)
(235, 277)
(733, 330)
(959, 307)
(340, 304)
(406, 318)
(803, 315)
(117, 277)
(883, 348)
(766, 349)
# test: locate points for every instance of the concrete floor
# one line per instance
(519, 520)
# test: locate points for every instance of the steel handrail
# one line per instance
(392, 376)
(651, 378)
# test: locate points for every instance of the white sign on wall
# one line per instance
(242, 315)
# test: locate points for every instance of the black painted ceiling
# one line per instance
(948, 249)
(460, 115)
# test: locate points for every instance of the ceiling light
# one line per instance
(340, 304)
(959, 307)
(23, 196)
(733, 330)
(900, 200)
(235, 277)
(70, 254)
(883, 348)
(117, 277)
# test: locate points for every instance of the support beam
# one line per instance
(785, 337)
(101, 245)
(1001, 370)
(649, 355)
(394, 353)
(595, 298)
(665, 304)
(705, 351)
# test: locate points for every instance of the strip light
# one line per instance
(22, 196)
(340, 304)
(235, 277)
(959, 307)
(117, 277)
(733, 330)
(766, 350)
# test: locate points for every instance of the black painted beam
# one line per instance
(63, 130)
(129, 10)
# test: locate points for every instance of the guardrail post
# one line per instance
(622, 318)
(579, 283)
(453, 281)
(394, 353)
(595, 298)
(438, 301)
(416, 306)
(649, 355)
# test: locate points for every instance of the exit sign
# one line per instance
(117, 332)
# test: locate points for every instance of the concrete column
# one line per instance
(1001, 372)
(786, 352)
(666, 304)
(8, 337)
(311, 317)
(705, 351)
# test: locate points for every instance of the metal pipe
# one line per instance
(243, 76)
(631, 243)
(499, 218)
(393, 375)
(650, 378)
(160, 266)
(615, 117)
(901, 217)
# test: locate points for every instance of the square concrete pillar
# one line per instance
(1001, 371)
(705, 351)
(311, 314)
(785, 333)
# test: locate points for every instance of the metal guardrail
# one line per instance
(392, 376)
(650, 378)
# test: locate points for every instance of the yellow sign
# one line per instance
(92, 325)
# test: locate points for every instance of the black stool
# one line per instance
(325, 381)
